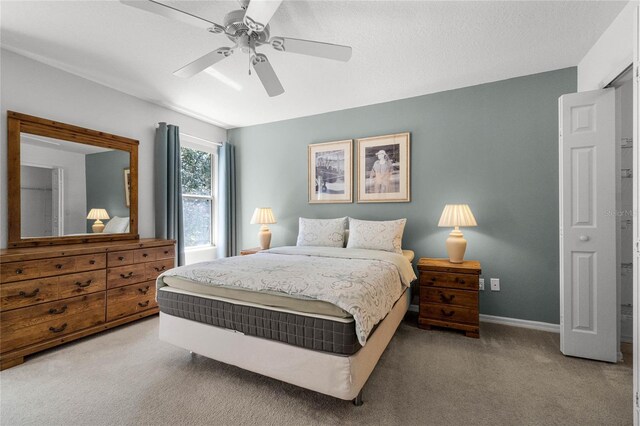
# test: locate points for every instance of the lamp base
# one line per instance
(264, 236)
(97, 226)
(456, 246)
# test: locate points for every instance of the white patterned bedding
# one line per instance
(365, 283)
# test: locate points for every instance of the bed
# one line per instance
(315, 317)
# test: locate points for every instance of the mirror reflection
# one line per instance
(69, 188)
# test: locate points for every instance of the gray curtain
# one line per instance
(168, 187)
(227, 240)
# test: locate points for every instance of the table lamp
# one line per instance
(98, 214)
(456, 215)
(263, 216)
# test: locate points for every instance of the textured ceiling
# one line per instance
(400, 49)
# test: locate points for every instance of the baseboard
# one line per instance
(513, 322)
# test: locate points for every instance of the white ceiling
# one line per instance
(400, 50)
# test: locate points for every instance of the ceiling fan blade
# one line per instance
(267, 75)
(173, 13)
(312, 48)
(204, 62)
(259, 13)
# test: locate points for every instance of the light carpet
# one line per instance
(509, 376)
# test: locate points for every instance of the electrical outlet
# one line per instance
(481, 284)
(495, 284)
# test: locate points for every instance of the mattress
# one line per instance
(265, 298)
(310, 331)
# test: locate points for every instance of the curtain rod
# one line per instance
(200, 139)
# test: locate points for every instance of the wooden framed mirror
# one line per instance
(68, 184)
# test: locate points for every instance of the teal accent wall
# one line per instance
(493, 146)
(105, 183)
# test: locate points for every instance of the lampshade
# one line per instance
(263, 216)
(457, 215)
(98, 214)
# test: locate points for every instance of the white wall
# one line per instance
(75, 183)
(611, 54)
(31, 87)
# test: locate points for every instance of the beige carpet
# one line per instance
(510, 376)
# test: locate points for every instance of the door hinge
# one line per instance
(636, 399)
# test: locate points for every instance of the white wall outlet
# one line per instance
(495, 284)
(481, 286)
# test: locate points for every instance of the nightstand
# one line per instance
(449, 295)
(253, 250)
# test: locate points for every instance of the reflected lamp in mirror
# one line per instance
(98, 215)
(456, 215)
(263, 216)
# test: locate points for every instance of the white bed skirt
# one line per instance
(335, 375)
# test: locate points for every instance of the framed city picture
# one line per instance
(384, 174)
(330, 175)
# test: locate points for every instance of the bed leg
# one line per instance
(193, 354)
(358, 399)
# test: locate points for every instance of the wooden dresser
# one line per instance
(53, 295)
(449, 295)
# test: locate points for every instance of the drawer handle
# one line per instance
(166, 252)
(446, 299)
(159, 269)
(19, 271)
(144, 255)
(54, 311)
(58, 265)
(81, 285)
(32, 294)
(433, 279)
(447, 314)
(143, 305)
(120, 258)
(126, 277)
(144, 290)
(59, 329)
(92, 262)
(458, 280)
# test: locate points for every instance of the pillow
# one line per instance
(321, 232)
(117, 225)
(376, 235)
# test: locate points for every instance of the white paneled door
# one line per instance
(636, 220)
(588, 290)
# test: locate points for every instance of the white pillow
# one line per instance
(376, 235)
(117, 225)
(321, 232)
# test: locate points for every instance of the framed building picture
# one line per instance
(384, 174)
(330, 175)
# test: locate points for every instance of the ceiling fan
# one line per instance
(248, 28)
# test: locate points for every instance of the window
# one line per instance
(198, 168)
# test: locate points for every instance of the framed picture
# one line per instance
(127, 186)
(384, 174)
(330, 176)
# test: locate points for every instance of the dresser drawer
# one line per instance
(447, 296)
(440, 279)
(82, 283)
(27, 293)
(448, 313)
(120, 258)
(128, 300)
(18, 271)
(25, 326)
(91, 262)
(144, 255)
(156, 268)
(167, 252)
(125, 275)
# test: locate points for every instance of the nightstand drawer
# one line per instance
(441, 279)
(446, 296)
(449, 313)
